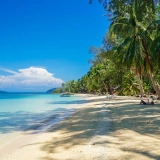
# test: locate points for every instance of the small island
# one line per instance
(2, 92)
(51, 91)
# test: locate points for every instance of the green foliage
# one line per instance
(58, 91)
(129, 60)
(129, 85)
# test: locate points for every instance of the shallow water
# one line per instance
(21, 111)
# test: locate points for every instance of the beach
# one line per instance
(98, 128)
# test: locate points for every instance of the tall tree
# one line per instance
(132, 41)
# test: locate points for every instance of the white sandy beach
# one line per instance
(100, 129)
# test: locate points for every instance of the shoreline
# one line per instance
(25, 137)
(100, 128)
(19, 138)
(9, 137)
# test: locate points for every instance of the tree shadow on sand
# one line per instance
(26, 121)
(125, 119)
(78, 101)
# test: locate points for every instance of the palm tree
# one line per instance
(130, 86)
(132, 41)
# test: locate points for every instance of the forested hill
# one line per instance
(2, 92)
(50, 91)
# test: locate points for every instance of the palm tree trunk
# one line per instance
(139, 79)
(109, 88)
(140, 84)
(154, 84)
(150, 70)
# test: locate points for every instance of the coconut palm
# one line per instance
(130, 85)
(132, 41)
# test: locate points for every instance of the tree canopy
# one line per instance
(129, 60)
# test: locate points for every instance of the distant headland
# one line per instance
(50, 91)
(3, 92)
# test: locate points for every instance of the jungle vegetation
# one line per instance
(129, 60)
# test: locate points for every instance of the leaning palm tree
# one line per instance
(132, 43)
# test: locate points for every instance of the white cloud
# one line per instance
(8, 70)
(30, 79)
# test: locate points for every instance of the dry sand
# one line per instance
(100, 129)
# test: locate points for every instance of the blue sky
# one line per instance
(47, 38)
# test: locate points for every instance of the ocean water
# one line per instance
(25, 111)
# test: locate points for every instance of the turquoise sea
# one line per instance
(26, 111)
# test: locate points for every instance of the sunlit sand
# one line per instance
(100, 128)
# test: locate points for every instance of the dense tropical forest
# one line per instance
(129, 60)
